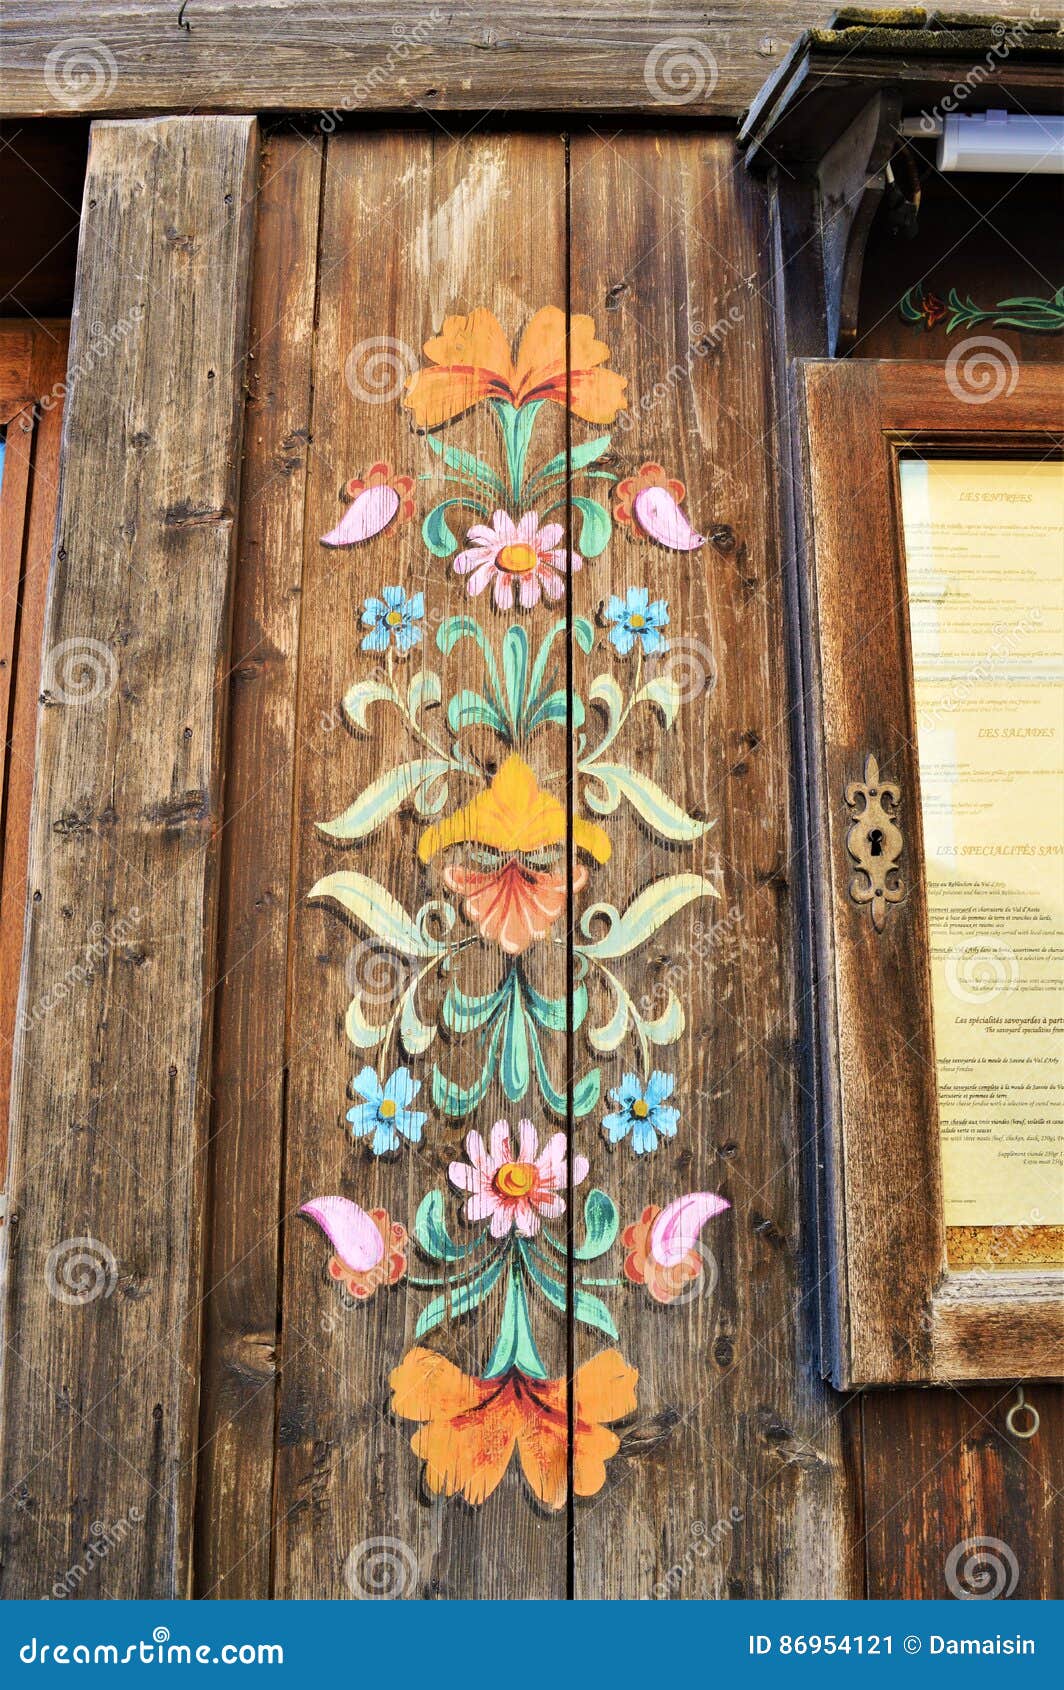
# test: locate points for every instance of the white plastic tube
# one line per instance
(1002, 141)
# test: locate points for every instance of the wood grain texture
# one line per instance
(395, 55)
(942, 1471)
(414, 228)
(100, 1393)
(238, 1394)
(44, 370)
(732, 1415)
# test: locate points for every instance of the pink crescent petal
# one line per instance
(677, 1228)
(350, 1231)
(658, 513)
(369, 515)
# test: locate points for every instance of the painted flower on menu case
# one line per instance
(384, 1115)
(636, 620)
(380, 499)
(516, 557)
(662, 1245)
(470, 360)
(515, 1185)
(470, 1427)
(392, 617)
(642, 1110)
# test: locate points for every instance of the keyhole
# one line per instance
(875, 842)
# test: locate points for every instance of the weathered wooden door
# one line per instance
(444, 777)
(517, 708)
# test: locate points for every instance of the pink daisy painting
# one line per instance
(519, 556)
(515, 1187)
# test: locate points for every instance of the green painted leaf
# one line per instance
(424, 692)
(515, 670)
(358, 698)
(595, 528)
(374, 907)
(416, 1034)
(667, 819)
(470, 467)
(430, 1230)
(665, 693)
(560, 465)
(600, 1226)
(583, 632)
(515, 1345)
(653, 907)
(383, 796)
(363, 1034)
(436, 531)
(469, 709)
(592, 1311)
(462, 1299)
(515, 1071)
(586, 1093)
(453, 1099)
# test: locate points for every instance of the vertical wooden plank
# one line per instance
(737, 1482)
(415, 230)
(955, 1503)
(47, 366)
(110, 1090)
(234, 1505)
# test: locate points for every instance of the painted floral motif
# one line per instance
(642, 1111)
(516, 559)
(477, 777)
(512, 1186)
(380, 499)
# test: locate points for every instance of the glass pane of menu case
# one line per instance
(984, 544)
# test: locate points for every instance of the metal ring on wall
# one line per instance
(1020, 1406)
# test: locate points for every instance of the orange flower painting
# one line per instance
(471, 1427)
(471, 360)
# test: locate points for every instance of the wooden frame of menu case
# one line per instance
(898, 1313)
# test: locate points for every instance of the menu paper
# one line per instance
(984, 545)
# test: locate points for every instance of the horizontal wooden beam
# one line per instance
(352, 56)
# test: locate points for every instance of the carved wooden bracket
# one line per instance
(852, 179)
(875, 842)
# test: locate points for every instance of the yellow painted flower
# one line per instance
(512, 903)
(472, 361)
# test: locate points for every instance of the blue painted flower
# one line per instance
(392, 616)
(635, 618)
(385, 1114)
(642, 1112)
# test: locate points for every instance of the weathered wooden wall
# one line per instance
(349, 56)
(214, 1395)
